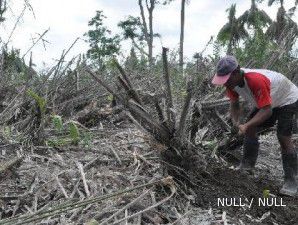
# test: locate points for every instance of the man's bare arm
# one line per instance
(235, 112)
(262, 115)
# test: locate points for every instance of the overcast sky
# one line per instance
(68, 19)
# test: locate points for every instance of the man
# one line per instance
(275, 98)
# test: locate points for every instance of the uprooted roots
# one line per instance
(186, 165)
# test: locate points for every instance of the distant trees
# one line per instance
(283, 28)
(148, 25)
(252, 35)
(139, 30)
(255, 18)
(233, 31)
(3, 7)
(132, 29)
(255, 29)
(101, 41)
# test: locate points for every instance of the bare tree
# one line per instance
(182, 21)
(148, 30)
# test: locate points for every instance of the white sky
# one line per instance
(68, 19)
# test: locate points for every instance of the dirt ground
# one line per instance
(268, 175)
(122, 156)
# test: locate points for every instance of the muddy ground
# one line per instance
(122, 156)
(249, 188)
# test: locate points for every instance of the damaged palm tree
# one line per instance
(167, 127)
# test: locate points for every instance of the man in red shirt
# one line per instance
(274, 98)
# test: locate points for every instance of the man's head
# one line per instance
(227, 72)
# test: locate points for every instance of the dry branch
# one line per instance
(158, 130)
(126, 83)
(35, 42)
(125, 207)
(65, 207)
(181, 128)
(10, 164)
(95, 77)
(80, 166)
(61, 187)
(173, 191)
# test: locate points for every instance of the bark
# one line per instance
(183, 117)
(150, 10)
(148, 31)
(182, 34)
(139, 48)
(169, 101)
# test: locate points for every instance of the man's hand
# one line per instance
(242, 129)
(235, 129)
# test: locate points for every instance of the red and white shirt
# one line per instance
(265, 87)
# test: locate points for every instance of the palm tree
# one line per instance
(233, 31)
(270, 2)
(255, 17)
(283, 28)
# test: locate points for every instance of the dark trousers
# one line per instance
(285, 116)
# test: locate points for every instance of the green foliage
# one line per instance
(254, 17)
(41, 102)
(15, 69)
(263, 36)
(57, 122)
(57, 142)
(74, 135)
(233, 31)
(132, 28)
(283, 29)
(101, 41)
(110, 98)
(92, 222)
(7, 132)
(11, 135)
(109, 65)
(74, 132)
(257, 48)
(87, 139)
(210, 144)
(266, 193)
